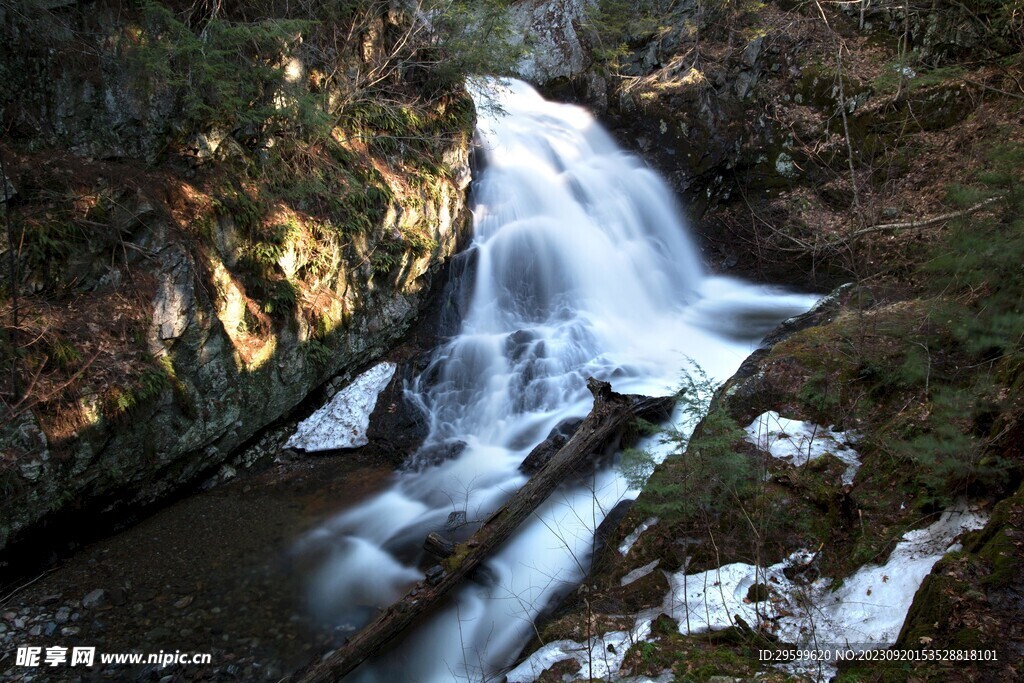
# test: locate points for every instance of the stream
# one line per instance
(582, 267)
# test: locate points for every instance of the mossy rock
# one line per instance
(819, 87)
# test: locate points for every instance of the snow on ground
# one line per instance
(638, 574)
(342, 423)
(634, 536)
(602, 661)
(799, 442)
(865, 612)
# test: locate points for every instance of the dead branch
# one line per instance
(935, 220)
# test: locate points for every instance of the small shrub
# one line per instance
(708, 472)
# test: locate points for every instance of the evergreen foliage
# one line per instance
(979, 264)
(618, 25)
(707, 471)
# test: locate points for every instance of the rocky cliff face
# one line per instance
(172, 309)
(559, 39)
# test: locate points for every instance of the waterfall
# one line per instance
(583, 267)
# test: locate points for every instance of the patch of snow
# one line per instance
(600, 658)
(799, 442)
(707, 601)
(665, 677)
(639, 573)
(806, 669)
(866, 612)
(342, 423)
(633, 537)
(870, 606)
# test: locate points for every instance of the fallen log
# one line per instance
(610, 414)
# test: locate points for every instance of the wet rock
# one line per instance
(184, 602)
(821, 313)
(94, 599)
(63, 615)
(547, 448)
(604, 531)
(118, 596)
(455, 520)
(435, 454)
(438, 546)
(158, 633)
(36, 630)
(517, 343)
(287, 455)
(48, 599)
(397, 425)
(70, 631)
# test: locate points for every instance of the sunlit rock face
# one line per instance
(227, 365)
(557, 35)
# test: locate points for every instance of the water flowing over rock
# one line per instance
(583, 269)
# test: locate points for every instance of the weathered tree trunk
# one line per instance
(611, 412)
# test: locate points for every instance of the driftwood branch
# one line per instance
(804, 247)
(935, 220)
(610, 414)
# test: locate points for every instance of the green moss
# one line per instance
(888, 81)
(455, 560)
(998, 546)
(819, 86)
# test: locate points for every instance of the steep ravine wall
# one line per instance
(220, 399)
(213, 339)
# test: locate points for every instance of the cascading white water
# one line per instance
(583, 268)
